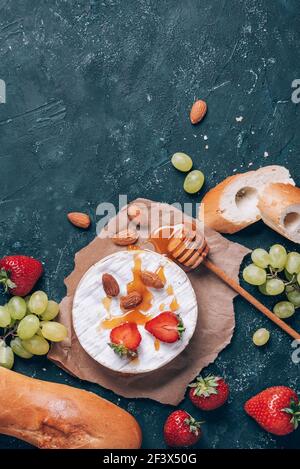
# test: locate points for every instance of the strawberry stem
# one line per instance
(205, 386)
(5, 280)
(180, 327)
(123, 351)
(193, 424)
(294, 411)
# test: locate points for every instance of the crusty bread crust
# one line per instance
(213, 201)
(274, 202)
(56, 416)
(212, 213)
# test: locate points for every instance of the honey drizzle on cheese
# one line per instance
(137, 314)
(107, 303)
(174, 305)
(161, 274)
(156, 345)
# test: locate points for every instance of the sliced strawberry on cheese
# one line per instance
(166, 327)
(125, 340)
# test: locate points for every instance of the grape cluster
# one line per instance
(28, 324)
(276, 272)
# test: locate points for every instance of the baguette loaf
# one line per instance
(232, 205)
(279, 205)
(50, 415)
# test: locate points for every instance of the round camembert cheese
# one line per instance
(94, 314)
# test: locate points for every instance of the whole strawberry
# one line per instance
(209, 393)
(19, 274)
(181, 429)
(275, 409)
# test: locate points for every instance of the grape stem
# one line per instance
(9, 332)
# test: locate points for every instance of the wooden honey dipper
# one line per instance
(190, 250)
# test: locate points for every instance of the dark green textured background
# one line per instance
(98, 94)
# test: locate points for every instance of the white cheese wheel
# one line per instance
(89, 311)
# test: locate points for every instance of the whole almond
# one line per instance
(198, 111)
(131, 300)
(110, 285)
(134, 213)
(81, 220)
(125, 238)
(151, 279)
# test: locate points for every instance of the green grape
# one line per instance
(284, 309)
(275, 286)
(28, 326)
(293, 263)
(17, 307)
(254, 275)
(261, 337)
(36, 345)
(261, 258)
(51, 312)
(26, 299)
(5, 318)
(182, 162)
(18, 349)
(294, 297)
(193, 182)
(6, 357)
(288, 276)
(289, 288)
(38, 303)
(278, 256)
(262, 289)
(54, 331)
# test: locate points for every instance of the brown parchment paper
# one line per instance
(213, 332)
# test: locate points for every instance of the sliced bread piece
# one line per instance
(279, 205)
(232, 205)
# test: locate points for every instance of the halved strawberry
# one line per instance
(166, 327)
(125, 340)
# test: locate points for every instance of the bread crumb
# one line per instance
(266, 154)
(206, 147)
(250, 164)
(239, 118)
(234, 170)
(205, 137)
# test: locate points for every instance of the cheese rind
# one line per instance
(89, 311)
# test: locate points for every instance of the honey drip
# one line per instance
(160, 238)
(161, 273)
(174, 305)
(106, 303)
(133, 247)
(135, 361)
(157, 345)
(135, 315)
